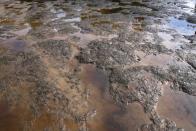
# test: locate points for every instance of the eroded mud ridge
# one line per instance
(97, 65)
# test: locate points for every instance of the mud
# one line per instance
(107, 65)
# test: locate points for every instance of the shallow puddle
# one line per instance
(106, 114)
(12, 119)
(21, 118)
(169, 41)
(15, 45)
(182, 26)
(123, 25)
(85, 39)
(22, 32)
(178, 107)
(59, 13)
(160, 60)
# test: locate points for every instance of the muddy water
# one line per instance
(107, 114)
(15, 45)
(21, 119)
(153, 60)
(178, 107)
(9, 120)
(45, 88)
(19, 116)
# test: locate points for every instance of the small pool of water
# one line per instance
(182, 26)
(179, 107)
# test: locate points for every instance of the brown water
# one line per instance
(178, 107)
(40, 91)
(107, 114)
(20, 118)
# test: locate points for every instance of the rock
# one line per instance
(192, 19)
(107, 55)
(55, 48)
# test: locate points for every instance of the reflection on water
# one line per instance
(22, 32)
(22, 119)
(106, 115)
(182, 26)
(85, 39)
(191, 6)
(158, 60)
(10, 120)
(59, 13)
(15, 45)
(78, 23)
(190, 3)
(178, 107)
(170, 42)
